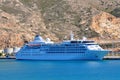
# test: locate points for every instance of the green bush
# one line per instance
(0, 54)
(116, 12)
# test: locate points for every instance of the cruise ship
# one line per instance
(40, 49)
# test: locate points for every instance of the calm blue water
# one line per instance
(59, 70)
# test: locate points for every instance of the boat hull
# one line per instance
(89, 55)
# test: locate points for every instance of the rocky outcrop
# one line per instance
(106, 25)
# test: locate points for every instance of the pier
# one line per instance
(112, 56)
(114, 46)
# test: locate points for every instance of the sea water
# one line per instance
(11, 69)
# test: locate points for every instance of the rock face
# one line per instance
(21, 20)
(106, 25)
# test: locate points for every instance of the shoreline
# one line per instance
(111, 58)
(10, 57)
(105, 58)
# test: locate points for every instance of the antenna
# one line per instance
(71, 36)
(84, 38)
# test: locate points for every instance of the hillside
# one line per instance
(21, 20)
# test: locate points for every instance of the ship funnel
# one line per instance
(71, 36)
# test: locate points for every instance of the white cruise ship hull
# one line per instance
(89, 55)
(72, 49)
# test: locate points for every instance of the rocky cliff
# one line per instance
(21, 20)
(106, 25)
